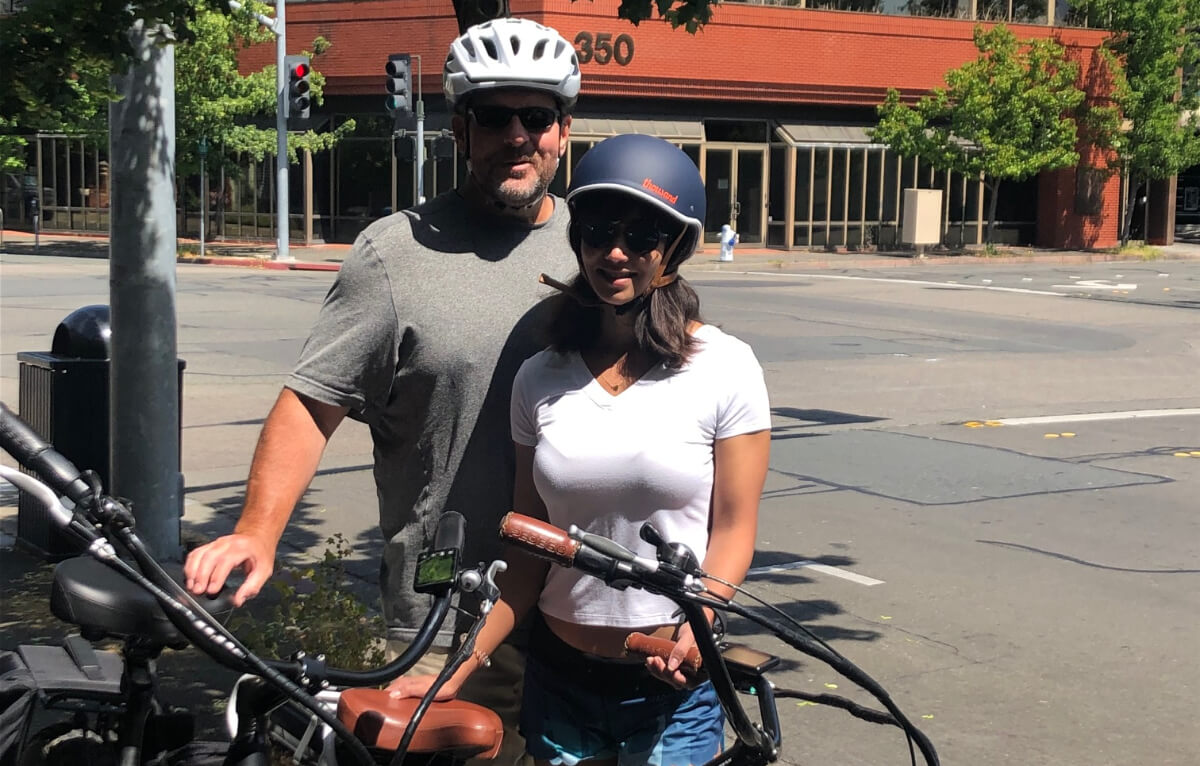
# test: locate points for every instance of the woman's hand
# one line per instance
(417, 686)
(670, 670)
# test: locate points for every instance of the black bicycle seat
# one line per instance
(104, 604)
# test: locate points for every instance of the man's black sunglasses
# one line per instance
(535, 119)
(641, 235)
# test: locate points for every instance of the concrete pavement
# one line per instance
(211, 499)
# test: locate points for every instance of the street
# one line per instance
(982, 488)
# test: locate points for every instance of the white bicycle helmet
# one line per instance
(510, 53)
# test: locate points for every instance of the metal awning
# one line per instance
(597, 128)
(818, 134)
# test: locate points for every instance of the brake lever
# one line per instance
(676, 555)
(482, 581)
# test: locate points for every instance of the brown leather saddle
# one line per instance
(454, 727)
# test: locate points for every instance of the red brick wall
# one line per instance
(748, 52)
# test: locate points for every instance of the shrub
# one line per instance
(316, 611)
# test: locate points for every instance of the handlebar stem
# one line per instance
(745, 730)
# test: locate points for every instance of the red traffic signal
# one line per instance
(298, 100)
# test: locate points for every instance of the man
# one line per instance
(420, 337)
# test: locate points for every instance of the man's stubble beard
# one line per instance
(506, 194)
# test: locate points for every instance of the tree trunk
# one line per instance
(991, 214)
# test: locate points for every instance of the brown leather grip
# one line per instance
(649, 646)
(539, 538)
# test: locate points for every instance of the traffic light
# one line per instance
(399, 84)
(298, 87)
(472, 12)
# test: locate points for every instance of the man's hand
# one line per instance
(417, 686)
(208, 566)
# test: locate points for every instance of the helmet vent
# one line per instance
(490, 47)
(539, 50)
(470, 50)
(515, 43)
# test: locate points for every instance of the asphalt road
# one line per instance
(944, 504)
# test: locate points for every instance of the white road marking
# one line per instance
(1093, 416)
(845, 574)
(894, 280)
(1098, 284)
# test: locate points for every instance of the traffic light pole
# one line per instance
(420, 136)
(400, 104)
(281, 155)
(277, 26)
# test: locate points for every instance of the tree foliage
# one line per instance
(60, 82)
(216, 103)
(1155, 50)
(689, 14)
(1007, 115)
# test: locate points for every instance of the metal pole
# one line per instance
(203, 190)
(420, 137)
(281, 155)
(144, 388)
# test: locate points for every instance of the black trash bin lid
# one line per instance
(86, 333)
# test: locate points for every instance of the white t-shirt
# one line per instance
(610, 463)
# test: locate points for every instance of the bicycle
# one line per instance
(733, 669)
(117, 717)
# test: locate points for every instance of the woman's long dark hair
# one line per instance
(660, 325)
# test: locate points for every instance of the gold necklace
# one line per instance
(617, 370)
(615, 385)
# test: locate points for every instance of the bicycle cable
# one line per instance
(847, 669)
(861, 712)
(758, 599)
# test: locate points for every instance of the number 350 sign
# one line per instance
(603, 48)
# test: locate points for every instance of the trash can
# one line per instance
(63, 396)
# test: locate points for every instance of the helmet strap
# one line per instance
(569, 291)
(662, 279)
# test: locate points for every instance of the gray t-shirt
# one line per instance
(421, 335)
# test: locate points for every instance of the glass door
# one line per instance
(735, 183)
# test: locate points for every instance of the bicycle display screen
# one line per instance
(435, 570)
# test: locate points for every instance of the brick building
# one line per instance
(773, 103)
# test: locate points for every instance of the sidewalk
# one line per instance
(328, 257)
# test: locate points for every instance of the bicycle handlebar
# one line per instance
(620, 567)
(18, 439)
(676, 575)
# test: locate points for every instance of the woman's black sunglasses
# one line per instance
(641, 235)
(535, 119)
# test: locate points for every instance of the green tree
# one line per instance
(12, 149)
(50, 90)
(1005, 115)
(1155, 50)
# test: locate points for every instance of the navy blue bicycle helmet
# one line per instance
(651, 170)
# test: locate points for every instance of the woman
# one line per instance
(638, 411)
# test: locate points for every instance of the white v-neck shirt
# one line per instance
(607, 464)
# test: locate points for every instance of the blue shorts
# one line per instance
(565, 723)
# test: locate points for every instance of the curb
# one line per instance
(260, 263)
